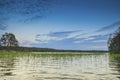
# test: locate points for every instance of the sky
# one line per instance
(60, 24)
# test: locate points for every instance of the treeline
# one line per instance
(114, 42)
(34, 49)
(25, 49)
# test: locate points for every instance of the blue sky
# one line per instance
(61, 24)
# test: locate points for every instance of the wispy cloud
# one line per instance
(76, 36)
(60, 33)
(23, 11)
(26, 9)
(99, 36)
(99, 47)
(3, 26)
(110, 27)
(46, 38)
(92, 39)
(56, 36)
(27, 43)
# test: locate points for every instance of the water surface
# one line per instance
(57, 66)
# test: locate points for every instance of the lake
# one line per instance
(59, 66)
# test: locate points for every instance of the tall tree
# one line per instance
(8, 39)
(114, 42)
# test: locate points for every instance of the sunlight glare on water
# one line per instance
(59, 67)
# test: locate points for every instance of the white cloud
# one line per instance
(27, 43)
(56, 36)
(79, 37)
(98, 41)
(76, 36)
(46, 38)
(99, 47)
(78, 41)
(89, 38)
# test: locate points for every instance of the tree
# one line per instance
(114, 42)
(8, 39)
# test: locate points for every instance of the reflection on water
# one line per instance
(60, 67)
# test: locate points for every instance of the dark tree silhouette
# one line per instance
(114, 42)
(8, 39)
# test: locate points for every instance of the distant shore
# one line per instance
(35, 49)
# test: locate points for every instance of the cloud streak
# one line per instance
(23, 10)
(92, 39)
(29, 9)
(99, 47)
(3, 26)
(110, 27)
(75, 36)
(56, 36)
(95, 40)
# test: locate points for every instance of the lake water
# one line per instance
(63, 66)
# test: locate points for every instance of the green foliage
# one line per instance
(114, 42)
(44, 54)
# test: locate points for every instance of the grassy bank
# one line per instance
(15, 54)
